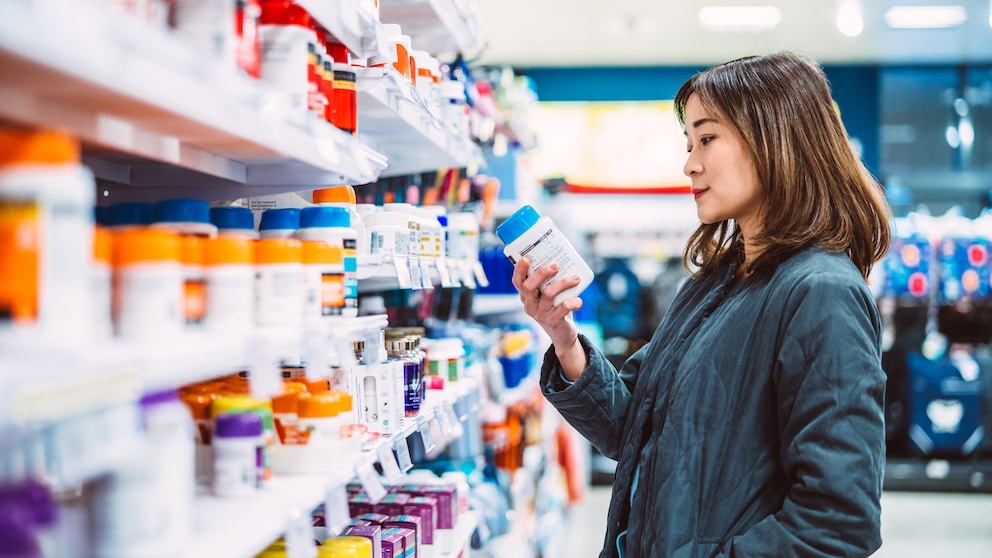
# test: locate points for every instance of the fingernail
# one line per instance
(554, 267)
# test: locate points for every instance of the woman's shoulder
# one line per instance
(817, 263)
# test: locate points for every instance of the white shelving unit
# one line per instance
(157, 119)
(435, 25)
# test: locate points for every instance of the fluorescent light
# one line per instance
(739, 18)
(925, 17)
(849, 20)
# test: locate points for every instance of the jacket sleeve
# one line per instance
(830, 389)
(596, 403)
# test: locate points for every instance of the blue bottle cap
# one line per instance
(286, 218)
(122, 214)
(323, 217)
(517, 224)
(182, 211)
(232, 218)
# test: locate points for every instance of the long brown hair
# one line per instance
(815, 190)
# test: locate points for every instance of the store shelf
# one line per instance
(382, 273)
(396, 119)
(240, 527)
(342, 20)
(437, 26)
(158, 112)
(939, 475)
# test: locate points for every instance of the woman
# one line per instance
(751, 424)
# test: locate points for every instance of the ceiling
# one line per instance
(552, 33)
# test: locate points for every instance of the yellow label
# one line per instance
(345, 85)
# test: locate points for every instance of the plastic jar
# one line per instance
(239, 221)
(130, 214)
(46, 233)
(287, 39)
(240, 404)
(327, 87)
(527, 234)
(324, 281)
(281, 222)
(237, 448)
(454, 108)
(428, 79)
(344, 114)
(228, 269)
(214, 27)
(463, 236)
(102, 285)
(285, 412)
(332, 225)
(345, 547)
(407, 351)
(185, 216)
(319, 420)
(412, 220)
(389, 233)
(445, 358)
(148, 284)
(279, 290)
(344, 197)
(144, 509)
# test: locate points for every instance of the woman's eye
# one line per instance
(705, 140)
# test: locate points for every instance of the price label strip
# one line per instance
(426, 436)
(370, 482)
(403, 455)
(299, 537)
(425, 273)
(402, 271)
(336, 515)
(442, 272)
(390, 468)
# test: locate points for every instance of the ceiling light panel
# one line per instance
(739, 18)
(925, 17)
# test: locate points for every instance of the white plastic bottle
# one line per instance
(332, 225)
(144, 509)
(527, 234)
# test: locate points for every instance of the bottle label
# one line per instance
(20, 237)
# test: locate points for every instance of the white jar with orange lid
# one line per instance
(228, 264)
(323, 280)
(148, 283)
(46, 234)
(279, 285)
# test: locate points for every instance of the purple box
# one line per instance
(447, 502)
(411, 522)
(424, 507)
(370, 531)
(359, 506)
(392, 504)
(409, 541)
(393, 544)
(376, 518)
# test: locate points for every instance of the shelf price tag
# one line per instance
(416, 277)
(443, 420)
(403, 455)
(336, 515)
(299, 537)
(426, 436)
(402, 272)
(370, 482)
(425, 273)
(442, 272)
(390, 468)
(466, 275)
(480, 274)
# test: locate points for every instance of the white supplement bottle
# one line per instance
(527, 234)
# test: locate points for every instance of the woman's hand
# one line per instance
(556, 321)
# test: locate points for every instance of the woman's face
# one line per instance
(724, 178)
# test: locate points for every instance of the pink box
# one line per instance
(411, 522)
(393, 544)
(369, 531)
(424, 507)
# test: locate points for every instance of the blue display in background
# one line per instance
(907, 268)
(964, 269)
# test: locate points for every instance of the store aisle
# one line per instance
(914, 525)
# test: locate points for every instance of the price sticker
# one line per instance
(370, 482)
(443, 420)
(402, 271)
(426, 436)
(416, 277)
(425, 273)
(299, 537)
(403, 455)
(336, 515)
(442, 272)
(390, 468)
